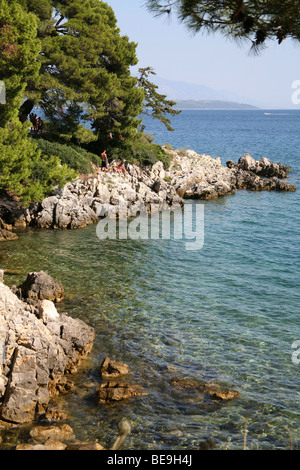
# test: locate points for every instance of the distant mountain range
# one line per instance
(193, 95)
(212, 104)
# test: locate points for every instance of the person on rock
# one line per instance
(121, 167)
(104, 159)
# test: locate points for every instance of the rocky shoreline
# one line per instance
(40, 348)
(190, 176)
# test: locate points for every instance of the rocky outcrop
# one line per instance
(203, 177)
(115, 389)
(190, 176)
(263, 167)
(91, 197)
(36, 354)
(94, 196)
(41, 286)
(6, 232)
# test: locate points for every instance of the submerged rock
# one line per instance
(207, 444)
(53, 415)
(56, 433)
(218, 393)
(215, 391)
(110, 368)
(84, 446)
(116, 391)
(6, 235)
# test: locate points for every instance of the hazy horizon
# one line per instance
(210, 60)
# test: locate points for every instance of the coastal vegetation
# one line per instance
(68, 59)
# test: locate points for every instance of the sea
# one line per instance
(225, 314)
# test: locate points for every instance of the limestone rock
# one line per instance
(41, 286)
(102, 193)
(263, 167)
(47, 311)
(190, 176)
(6, 235)
(116, 391)
(218, 393)
(110, 368)
(57, 433)
(36, 357)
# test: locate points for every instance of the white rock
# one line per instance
(47, 311)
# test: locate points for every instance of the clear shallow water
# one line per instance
(228, 313)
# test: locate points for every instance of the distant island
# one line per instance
(213, 105)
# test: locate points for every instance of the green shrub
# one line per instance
(168, 147)
(142, 152)
(23, 170)
(182, 152)
(71, 155)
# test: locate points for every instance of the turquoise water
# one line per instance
(228, 313)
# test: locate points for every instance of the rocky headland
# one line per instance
(190, 176)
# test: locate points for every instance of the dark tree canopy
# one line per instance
(69, 58)
(85, 70)
(18, 51)
(255, 20)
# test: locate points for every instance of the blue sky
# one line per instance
(210, 60)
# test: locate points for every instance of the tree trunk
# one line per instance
(25, 110)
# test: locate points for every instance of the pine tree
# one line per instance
(85, 72)
(19, 48)
(253, 20)
(156, 105)
(23, 172)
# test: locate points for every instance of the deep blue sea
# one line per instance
(226, 314)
